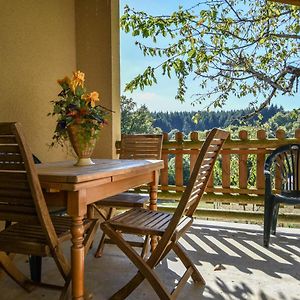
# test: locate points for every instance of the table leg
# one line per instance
(77, 258)
(153, 202)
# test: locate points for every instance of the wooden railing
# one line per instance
(232, 193)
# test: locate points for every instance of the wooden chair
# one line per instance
(33, 231)
(283, 166)
(169, 227)
(139, 146)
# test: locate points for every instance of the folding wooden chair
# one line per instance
(169, 227)
(33, 231)
(137, 146)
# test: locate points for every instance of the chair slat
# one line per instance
(13, 176)
(8, 139)
(6, 128)
(9, 148)
(161, 223)
(10, 157)
(12, 166)
(15, 193)
(14, 184)
(141, 146)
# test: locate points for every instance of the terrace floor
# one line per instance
(230, 256)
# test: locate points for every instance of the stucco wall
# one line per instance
(37, 47)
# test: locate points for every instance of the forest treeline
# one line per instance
(185, 121)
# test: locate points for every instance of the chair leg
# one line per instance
(7, 224)
(145, 271)
(196, 276)
(145, 248)
(35, 265)
(14, 273)
(267, 221)
(100, 248)
(65, 291)
(90, 235)
(274, 219)
(62, 263)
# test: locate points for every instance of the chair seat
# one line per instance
(147, 222)
(30, 239)
(125, 200)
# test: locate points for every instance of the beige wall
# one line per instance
(38, 46)
(97, 44)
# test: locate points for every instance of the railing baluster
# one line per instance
(280, 135)
(210, 183)
(260, 178)
(164, 177)
(243, 171)
(226, 180)
(194, 150)
(297, 136)
(179, 160)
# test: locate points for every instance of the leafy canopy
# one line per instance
(232, 47)
(136, 119)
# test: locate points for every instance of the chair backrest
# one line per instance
(21, 196)
(141, 146)
(198, 181)
(284, 164)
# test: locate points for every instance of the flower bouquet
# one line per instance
(80, 117)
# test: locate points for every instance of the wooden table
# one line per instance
(81, 186)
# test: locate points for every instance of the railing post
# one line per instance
(226, 169)
(297, 136)
(194, 152)
(179, 160)
(243, 171)
(164, 177)
(260, 178)
(210, 183)
(280, 135)
(297, 133)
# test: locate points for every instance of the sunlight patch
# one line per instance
(244, 249)
(222, 246)
(201, 244)
(267, 252)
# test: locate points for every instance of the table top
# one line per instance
(65, 171)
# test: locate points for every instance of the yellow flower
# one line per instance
(91, 97)
(77, 80)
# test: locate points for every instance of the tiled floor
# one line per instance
(230, 256)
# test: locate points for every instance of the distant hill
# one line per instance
(183, 120)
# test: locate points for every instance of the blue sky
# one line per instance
(161, 96)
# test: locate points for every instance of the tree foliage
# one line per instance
(183, 120)
(135, 119)
(232, 47)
